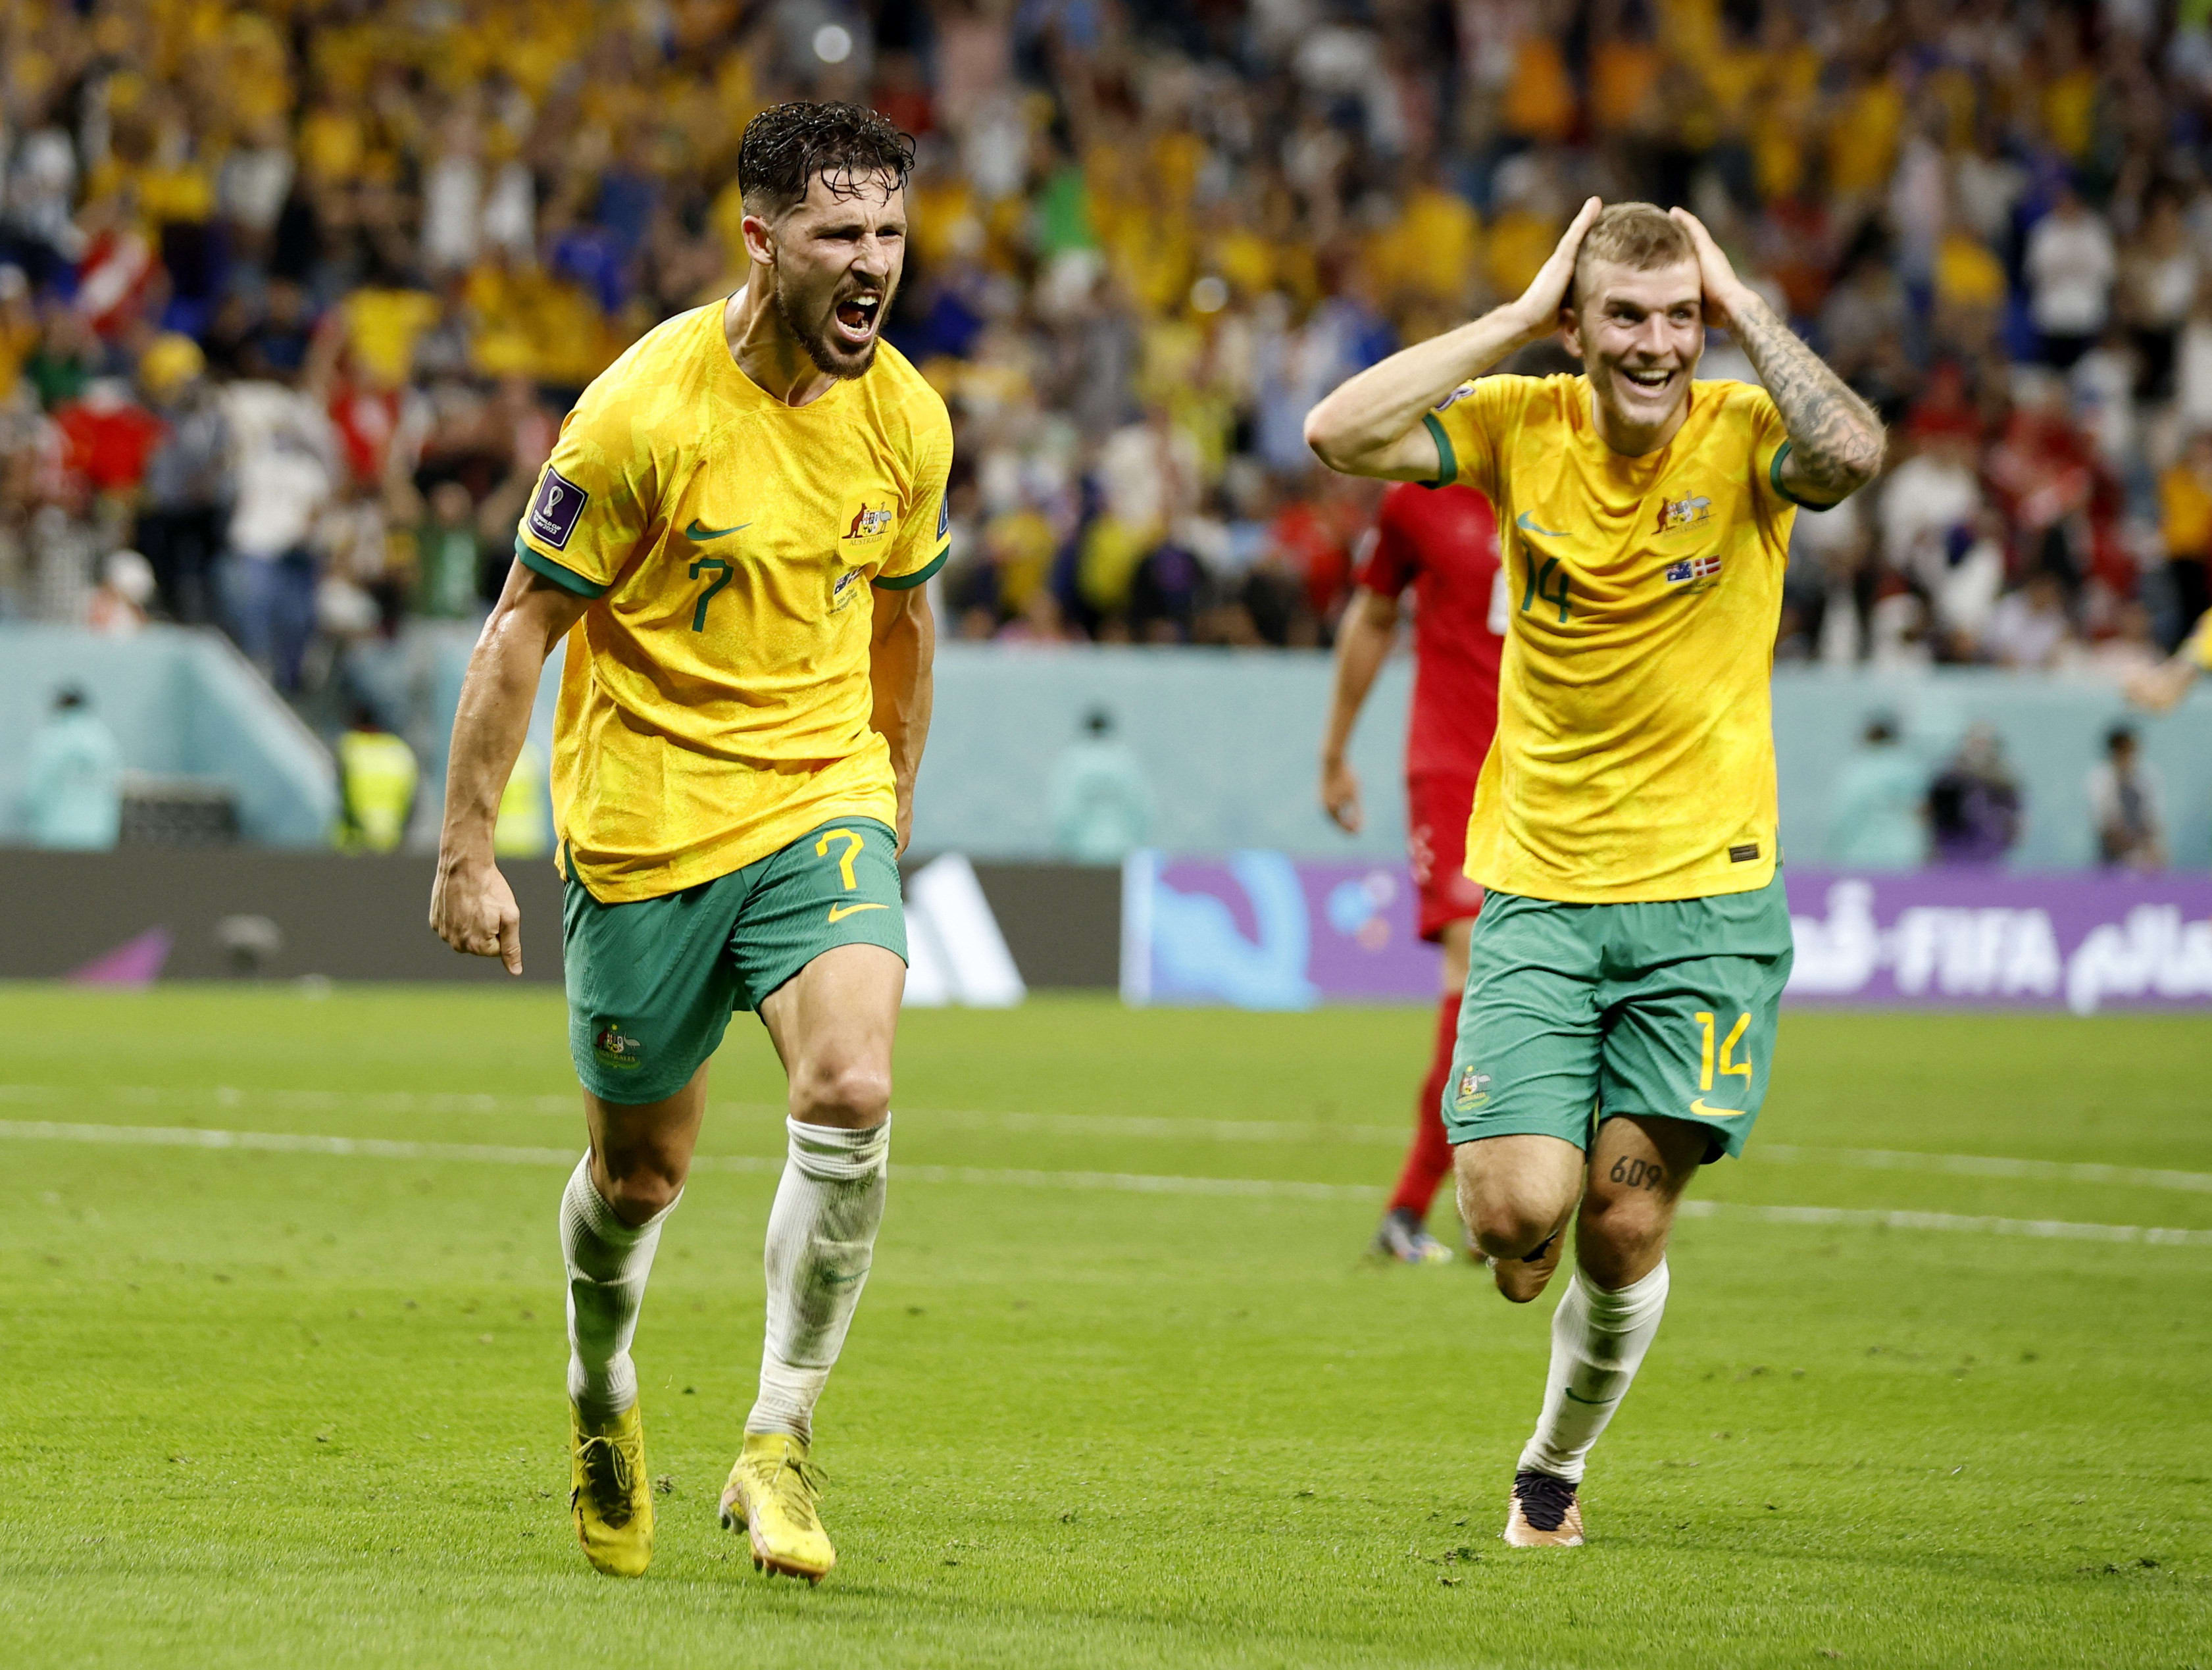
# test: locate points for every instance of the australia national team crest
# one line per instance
(1688, 512)
(869, 523)
(1473, 1091)
(1693, 568)
(613, 1047)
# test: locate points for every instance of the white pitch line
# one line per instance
(403, 1102)
(1123, 1183)
(1988, 1165)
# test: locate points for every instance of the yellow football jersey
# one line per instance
(1634, 756)
(2200, 645)
(714, 703)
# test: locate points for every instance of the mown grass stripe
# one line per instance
(566, 1105)
(1126, 1182)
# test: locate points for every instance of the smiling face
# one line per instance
(834, 260)
(1638, 335)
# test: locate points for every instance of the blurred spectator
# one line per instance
(285, 463)
(377, 775)
(2070, 267)
(72, 778)
(2185, 499)
(188, 483)
(2029, 627)
(524, 829)
(1101, 806)
(2127, 801)
(1974, 803)
(1877, 811)
(119, 607)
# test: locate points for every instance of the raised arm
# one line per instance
(1363, 643)
(471, 908)
(1371, 425)
(1836, 441)
(900, 657)
(2160, 688)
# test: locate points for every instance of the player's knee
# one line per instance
(1506, 1223)
(1509, 1229)
(1620, 1235)
(848, 1093)
(642, 1184)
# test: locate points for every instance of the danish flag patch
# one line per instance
(1691, 567)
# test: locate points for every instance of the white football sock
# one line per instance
(608, 1262)
(1598, 1342)
(821, 1239)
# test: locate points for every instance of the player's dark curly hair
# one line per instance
(787, 145)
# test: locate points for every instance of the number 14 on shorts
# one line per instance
(1726, 1063)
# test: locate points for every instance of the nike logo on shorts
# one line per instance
(1699, 1110)
(839, 912)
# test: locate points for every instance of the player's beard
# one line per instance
(831, 357)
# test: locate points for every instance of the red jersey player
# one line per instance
(1443, 542)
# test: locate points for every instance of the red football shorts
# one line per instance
(1436, 844)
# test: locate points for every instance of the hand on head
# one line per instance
(1547, 292)
(1724, 290)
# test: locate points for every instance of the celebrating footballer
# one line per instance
(732, 535)
(1617, 1029)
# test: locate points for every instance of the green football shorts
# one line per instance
(1575, 1013)
(651, 984)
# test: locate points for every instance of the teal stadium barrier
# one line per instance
(1225, 741)
(182, 703)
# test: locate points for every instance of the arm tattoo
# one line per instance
(1835, 439)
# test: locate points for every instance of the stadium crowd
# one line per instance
(293, 295)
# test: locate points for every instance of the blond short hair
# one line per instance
(1640, 236)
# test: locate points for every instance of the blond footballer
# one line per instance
(1617, 1026)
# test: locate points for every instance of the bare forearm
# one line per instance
(1364, 427)
(1836, 441)
(493, 718)
(1363, 643)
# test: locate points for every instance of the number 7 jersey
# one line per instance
(715, 699)
(1634, 758)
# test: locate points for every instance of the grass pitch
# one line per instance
(301, 1403)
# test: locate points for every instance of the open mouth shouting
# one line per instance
(857, 317)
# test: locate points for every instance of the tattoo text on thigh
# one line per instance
(1638, 1174)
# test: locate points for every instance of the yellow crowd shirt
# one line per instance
(716, 697)
(1634, 756)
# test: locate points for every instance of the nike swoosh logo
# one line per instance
(1527, 523)
(695, 533)
(1594, 1403)
(839, 912)
(1699, 1109)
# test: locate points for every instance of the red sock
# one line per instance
(1431, 1156)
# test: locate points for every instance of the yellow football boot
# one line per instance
(771, 1495)
(610, 1495)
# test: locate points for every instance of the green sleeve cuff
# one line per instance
(1447, 460)
(907, 582)
(1774, 477)
(566, 579)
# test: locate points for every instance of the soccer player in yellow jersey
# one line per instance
(2161, 688)
(1619, 1021)
(733, 535)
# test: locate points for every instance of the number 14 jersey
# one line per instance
(715, 700)
(1634, 758)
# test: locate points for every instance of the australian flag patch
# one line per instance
(1693, 567)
